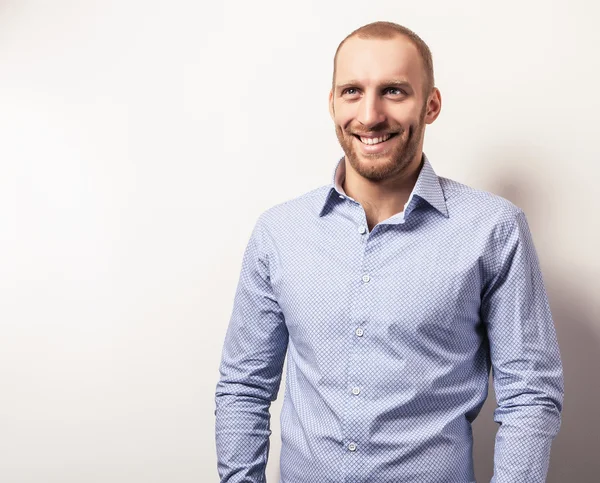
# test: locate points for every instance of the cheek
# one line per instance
(343, 121)
(343, 116)
(407, 115)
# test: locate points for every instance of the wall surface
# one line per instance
(140, 141)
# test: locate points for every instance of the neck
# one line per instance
(385, 198)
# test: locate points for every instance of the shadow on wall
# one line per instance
(576, 450)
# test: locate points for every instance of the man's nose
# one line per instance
(370, 111)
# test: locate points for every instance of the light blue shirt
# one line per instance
(390, 335)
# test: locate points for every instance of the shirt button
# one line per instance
(341, 197)
(366, 278)
(359, 332)
(356, 391)
(352, 446)
(362, 230)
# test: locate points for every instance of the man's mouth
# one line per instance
(375, 140)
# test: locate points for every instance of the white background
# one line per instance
(139, 142)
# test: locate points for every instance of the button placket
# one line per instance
(353, 421)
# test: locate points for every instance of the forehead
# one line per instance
(373, 60)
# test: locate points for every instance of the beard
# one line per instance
(396, 160)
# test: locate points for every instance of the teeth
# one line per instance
(375, 140)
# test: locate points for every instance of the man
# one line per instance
(393, 291)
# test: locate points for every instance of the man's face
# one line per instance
(378, 93)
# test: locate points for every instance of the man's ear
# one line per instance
(331, 111)
(434, 106)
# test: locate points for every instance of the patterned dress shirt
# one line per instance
(390, 335)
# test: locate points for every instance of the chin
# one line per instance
(374, 169)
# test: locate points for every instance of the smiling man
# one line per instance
(393, 292)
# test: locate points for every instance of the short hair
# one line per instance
(390, 30)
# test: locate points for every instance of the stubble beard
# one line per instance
(380, 166)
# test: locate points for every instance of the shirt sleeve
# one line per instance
(250, 371)
(526, 365)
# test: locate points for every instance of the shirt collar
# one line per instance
(427, 188)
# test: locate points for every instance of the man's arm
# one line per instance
(251, 365)
(527, 370)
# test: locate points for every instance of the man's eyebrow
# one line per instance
(390, 83)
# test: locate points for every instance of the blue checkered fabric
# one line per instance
(390, 335)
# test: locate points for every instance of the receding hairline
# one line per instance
(390, 31)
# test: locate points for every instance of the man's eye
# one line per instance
(394, 91)
(349, 90)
